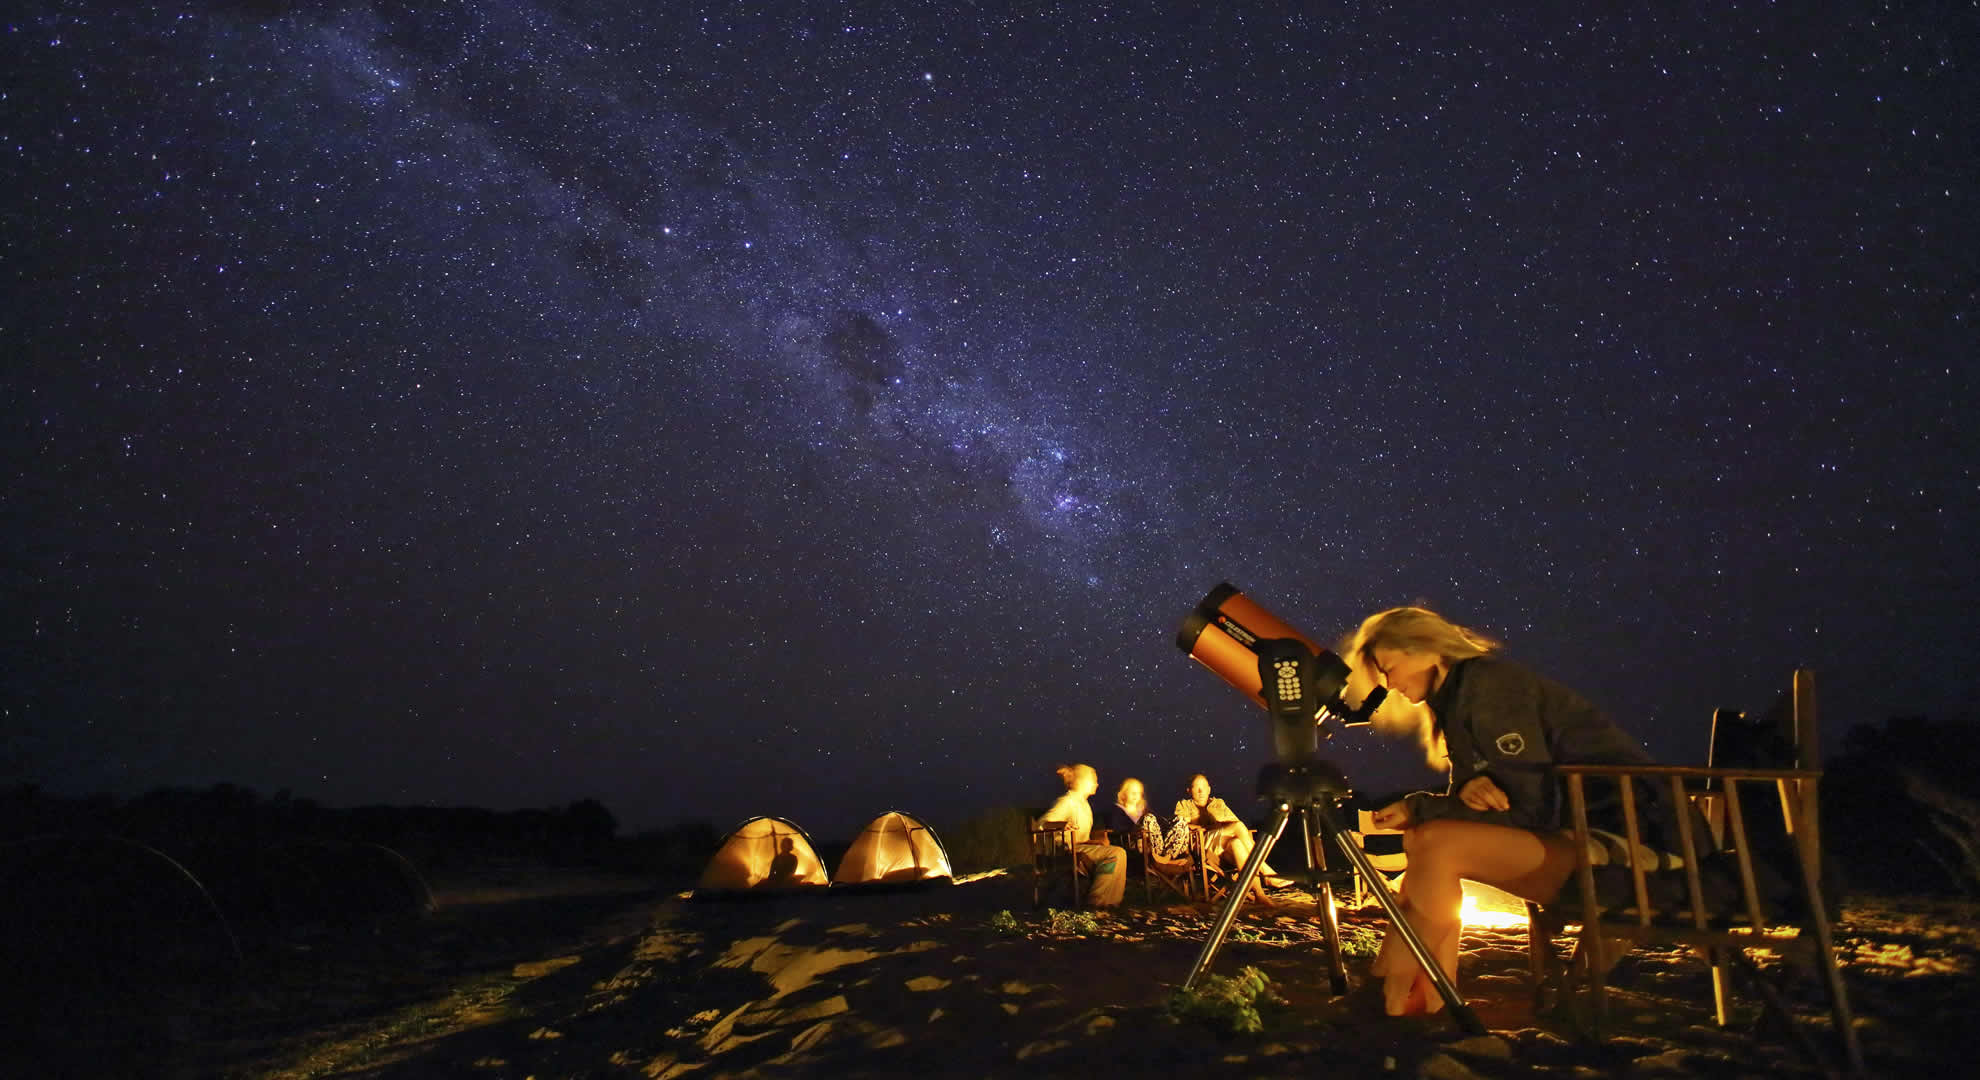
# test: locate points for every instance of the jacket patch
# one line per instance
(1512, 744)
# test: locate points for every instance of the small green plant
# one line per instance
(1360, 941)
(1227, 1004)
(1072, 922)
(1004, 922)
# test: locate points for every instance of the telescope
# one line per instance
(1298, 682)
(1301, 685)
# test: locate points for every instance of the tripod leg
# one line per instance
(1323, 895)
(1235, 898)
(1460, 1012)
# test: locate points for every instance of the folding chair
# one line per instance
(1172, 877)
(1387, 859)
(1208, 877)
(1054, 860)
(1716, 902)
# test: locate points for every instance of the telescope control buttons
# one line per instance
(1288, 679)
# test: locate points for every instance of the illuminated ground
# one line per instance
(602, 984)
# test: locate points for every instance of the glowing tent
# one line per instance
(895, 849)
(763, 855)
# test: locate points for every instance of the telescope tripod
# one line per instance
(1314, 793)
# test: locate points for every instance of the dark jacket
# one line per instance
(1500, 719)
(1124, 827)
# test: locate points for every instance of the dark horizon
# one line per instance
(1239, 796)
(714, 413)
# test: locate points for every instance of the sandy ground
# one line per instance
(588, 979)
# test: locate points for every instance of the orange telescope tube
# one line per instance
(1220, 633)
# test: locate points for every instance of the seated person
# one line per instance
(1226, 840)
(1499, 727)
(1130, 817)
(784, 866)
(1106, 863)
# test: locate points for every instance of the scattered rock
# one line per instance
(810, 1038)
(540, 968)
(1490, 1047)
(1497, 983)
(1445, 1067)
(1041, 1048)
(1673, 1062)
(886, 1039)
(760, 1018)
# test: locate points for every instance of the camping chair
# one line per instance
(1385, 862)
(1172, 877)
(1721, 904)
(1207, 877)
(1055, 859)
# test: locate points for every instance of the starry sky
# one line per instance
(817, 409)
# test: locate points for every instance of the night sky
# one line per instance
(817, 409)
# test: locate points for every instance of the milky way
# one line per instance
(716, 411)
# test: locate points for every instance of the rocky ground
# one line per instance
(971, 980)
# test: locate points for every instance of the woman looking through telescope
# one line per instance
(1503, 819)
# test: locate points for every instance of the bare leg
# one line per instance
(1234, 840)
(1442, 855)
(1241, 843)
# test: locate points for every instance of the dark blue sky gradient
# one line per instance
(714, 411)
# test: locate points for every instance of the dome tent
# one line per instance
(365, 882)
(96, 931)
(763, 855)
(894, 849)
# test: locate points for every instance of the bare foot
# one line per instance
(1402, 992)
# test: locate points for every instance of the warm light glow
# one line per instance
(1473, 915)
(1486, 906)
(1483, 906)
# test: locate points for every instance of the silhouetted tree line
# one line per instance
(677, 851)
(998, 837)
(580, 833)
(1901, 806)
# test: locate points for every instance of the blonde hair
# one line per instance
(1413, 630)
(1120, 793)
(1071, 775)
(1416, 630)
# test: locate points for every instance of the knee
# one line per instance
(1427, 839)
